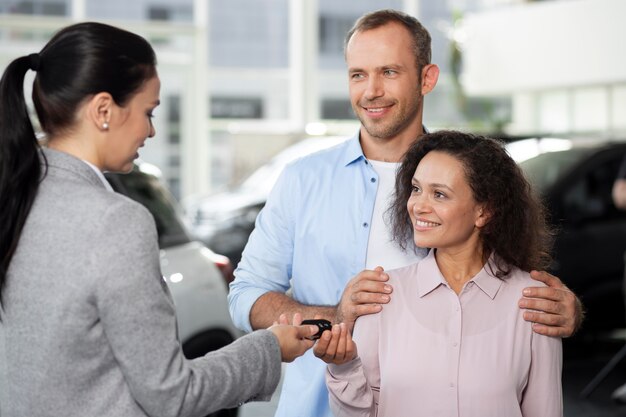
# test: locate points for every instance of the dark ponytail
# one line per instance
(79, 61)
(20, 169)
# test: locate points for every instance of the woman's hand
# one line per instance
(336, 346)
(294, 339)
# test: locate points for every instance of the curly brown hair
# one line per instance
(517, 231)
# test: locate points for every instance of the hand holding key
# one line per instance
(336, 346)
(321, 324)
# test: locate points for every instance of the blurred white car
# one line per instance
(224, 221)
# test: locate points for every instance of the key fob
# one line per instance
(321, 324)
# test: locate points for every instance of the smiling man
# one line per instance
(322, 233)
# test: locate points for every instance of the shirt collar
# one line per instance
(430, 277)
(485, 280)
(100, 175)
(354, 151)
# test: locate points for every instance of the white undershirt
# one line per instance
(100, 175)
(381, 250)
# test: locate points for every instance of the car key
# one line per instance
(321, 324)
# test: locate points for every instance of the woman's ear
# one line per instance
(483, 217)
(99, 110)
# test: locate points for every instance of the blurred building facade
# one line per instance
(244, 78)
(558, 61)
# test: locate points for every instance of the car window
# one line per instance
(545, 169)
(589, 196)
(148, 191)
(263, 179)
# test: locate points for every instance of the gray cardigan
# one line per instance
(88, 326)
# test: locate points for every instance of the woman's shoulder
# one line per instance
(518, 278)
(125, 211)
(399, 275)
(405, 270)
(96, 208)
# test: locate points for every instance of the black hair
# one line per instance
(79, 61)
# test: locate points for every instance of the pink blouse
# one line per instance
(433, 353)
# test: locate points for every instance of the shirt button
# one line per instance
(373, 179)
(365, 224)
(451, 385)
(455, 344)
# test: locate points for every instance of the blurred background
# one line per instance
(249, 85)
(242, 79)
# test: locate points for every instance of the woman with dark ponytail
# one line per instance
(87, 326)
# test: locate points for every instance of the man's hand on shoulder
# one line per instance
(558, 312)
(364, 294)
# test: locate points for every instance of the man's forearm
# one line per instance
(266, 310)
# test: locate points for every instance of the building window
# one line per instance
(173, 109)
(173, 119)
(169, 13)
(46, 8)
(158, 13)
(236, 107)
(333, 30)
(337, 109)
(174, 161)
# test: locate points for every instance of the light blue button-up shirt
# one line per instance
(311, 236)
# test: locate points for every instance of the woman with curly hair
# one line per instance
(452, 341)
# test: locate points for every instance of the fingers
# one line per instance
(293, 340)
(371, 281)
(554, 311)
(548, 324)
(551, 330)
(320, 348)
(297, 319)
(548, 279)
(346, 348)
(545, 318)
(297, 350)
(336, 346)
(368, 294)
(305, 332)
(329, 355)
(364, 294)
(546, 305)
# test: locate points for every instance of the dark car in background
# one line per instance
(575, 183)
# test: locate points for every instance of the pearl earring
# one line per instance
(105, 126)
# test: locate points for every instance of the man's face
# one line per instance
(384, 83)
